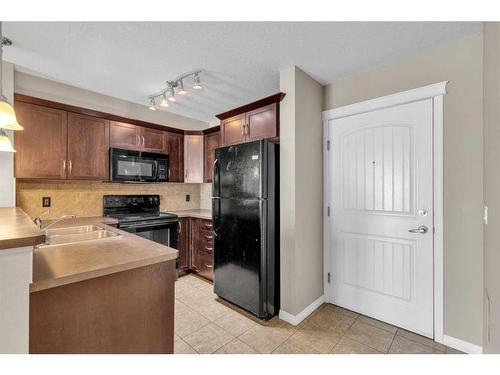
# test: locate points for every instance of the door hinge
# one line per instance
(328, 145)
(328, 210)
(328, 277)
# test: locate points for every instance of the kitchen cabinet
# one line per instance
(184, 234)
(212, 141)
(202, 248)
(175, 150)
(88, 145)
(193, 158)
(42, 145)
(134, 137)
(233, 130)
(251, 122)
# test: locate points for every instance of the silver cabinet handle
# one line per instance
(421, 229)
(64, 166)
(180, 227)
(70, 165)
(137, 140)
(143, 141)
(209, 266)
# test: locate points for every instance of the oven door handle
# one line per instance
(147, 225)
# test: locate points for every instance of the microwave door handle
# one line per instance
(155, 170)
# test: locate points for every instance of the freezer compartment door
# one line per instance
(240, 171)
(238, 253)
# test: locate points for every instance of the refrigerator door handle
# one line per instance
(215, 179)
(215, 215)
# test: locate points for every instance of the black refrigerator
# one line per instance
(246, 226)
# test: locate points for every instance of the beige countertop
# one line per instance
(63, 264)
(17, 229)
(201, 214)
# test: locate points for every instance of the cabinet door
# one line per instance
(193, 158)
(261, 123)
(233, 130)
(195, 261)
(41, 146)
(153, 140)
(184, 248)
(212, 141)
(88, 147)
(202, 253)
(175, 149)
(123, 135)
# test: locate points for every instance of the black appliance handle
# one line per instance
(215, 215)
(215, 179)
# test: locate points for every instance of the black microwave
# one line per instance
(137, 166)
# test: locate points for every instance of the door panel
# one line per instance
(381, 173)
(261, 123)
(153, 140)
(175, 143)
(42, 145)
(239, 171)
(238, 252)
(233, 131)
(193, 158)
(123, 135)
(88, 147)
(184, 244)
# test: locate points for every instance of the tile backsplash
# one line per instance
(206, 196)
(85, 198)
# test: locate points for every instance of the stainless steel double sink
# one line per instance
(69, 235)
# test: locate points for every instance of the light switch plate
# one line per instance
(46, 202)
(188, 197)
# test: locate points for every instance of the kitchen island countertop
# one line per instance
(58, 265)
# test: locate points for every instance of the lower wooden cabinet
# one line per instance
(196, 247)
(184, 242)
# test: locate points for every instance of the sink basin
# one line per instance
(70, 235)
(72, 230)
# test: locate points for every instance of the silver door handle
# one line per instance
(137, 140)
(70, 166)
(143, 141)
(421, 229)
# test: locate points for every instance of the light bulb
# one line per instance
(196, 82)
(164, 102)
(181, 88)
(152, 104)
(5, 144)
(171, 96)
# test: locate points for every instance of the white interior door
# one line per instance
(381, 173)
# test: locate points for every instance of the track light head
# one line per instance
(164, 101)
(196, 82)
(181, 88)
(171, 95)
(152, 104)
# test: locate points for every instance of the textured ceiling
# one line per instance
(241, 60)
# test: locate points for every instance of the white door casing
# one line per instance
(379, 183)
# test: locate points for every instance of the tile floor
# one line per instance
(205, 324)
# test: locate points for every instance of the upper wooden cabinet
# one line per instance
(42, 145)
(175, 150)
(212, 141)
(193, 158)
(257, 120)
(133, 137)
(88, 145)
(123, 135)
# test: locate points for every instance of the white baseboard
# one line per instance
(461, 345)
(296, 319)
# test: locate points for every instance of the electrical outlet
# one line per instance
(46, 202)
(188, 197)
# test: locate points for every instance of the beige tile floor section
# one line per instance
(205, 324)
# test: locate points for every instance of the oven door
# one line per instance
(162, 232)
(132, 166)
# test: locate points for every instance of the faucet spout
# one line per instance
(38, 221)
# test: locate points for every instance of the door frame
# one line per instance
(436, 92)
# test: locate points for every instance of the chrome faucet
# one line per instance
(38, 221)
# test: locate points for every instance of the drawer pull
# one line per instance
(209, 266)
(208, 237)
(209, 249)
(209, 226)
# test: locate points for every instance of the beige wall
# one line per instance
(301, 194)
(206, 196)
(43, 88)
(85, 198)
(491, 119)
(461, 64)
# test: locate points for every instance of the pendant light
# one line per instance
(7, 114)
(173, 88)
(8, 118)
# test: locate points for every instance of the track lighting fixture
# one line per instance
(168, 94)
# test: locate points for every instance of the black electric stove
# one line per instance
(140, 215)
